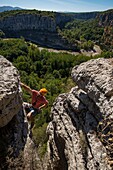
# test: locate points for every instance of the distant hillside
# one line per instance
(72, 31)
(8, 8)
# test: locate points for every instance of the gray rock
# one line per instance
(28, 21)
(10, 94)
(74, 142)
(19, 150)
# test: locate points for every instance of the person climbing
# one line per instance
(38, 102)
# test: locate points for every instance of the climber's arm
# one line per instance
(27, 88)
(44, 105)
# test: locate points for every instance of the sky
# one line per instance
(61, 5)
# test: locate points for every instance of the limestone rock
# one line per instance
(95, 77)
(75, 141)
(10, 98)
(17, 149)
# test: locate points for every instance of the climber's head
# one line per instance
(43, 91)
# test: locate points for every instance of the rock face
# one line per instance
(80, 133)
(106, 18)
(28, 21)
(17, 150)
(10, 98)
(13, 129)
(106, 21)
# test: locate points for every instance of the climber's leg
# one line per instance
(29, 116)
(32, 123)
(33, 112)
(26, 105)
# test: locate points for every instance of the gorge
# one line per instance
(44, 28)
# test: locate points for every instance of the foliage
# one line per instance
(13, 48)
(2, 34)
(23, 12)
(86, 32)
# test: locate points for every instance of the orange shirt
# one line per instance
(37, 101)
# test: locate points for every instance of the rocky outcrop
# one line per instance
(106, 18)
(80, 133)
(13, 128)
(17, 150)
(10, 98)
(106, 21)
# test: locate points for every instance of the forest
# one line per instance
(83, 33)
(38, 69)
(19, 12)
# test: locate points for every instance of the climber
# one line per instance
(38, 102)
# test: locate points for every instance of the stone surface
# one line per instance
(17, 149)
(28, 21)
(96, 79)
(75, 139)
(10, 98)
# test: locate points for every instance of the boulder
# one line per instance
(10, 93)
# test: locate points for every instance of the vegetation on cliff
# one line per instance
(83, 32)
(23, 12)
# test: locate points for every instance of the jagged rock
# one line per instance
(17, 149)
(10, 98)
(13, 126)
(75, 140)
(96, 79)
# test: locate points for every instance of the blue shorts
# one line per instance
(34, 111)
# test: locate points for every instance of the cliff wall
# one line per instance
(106, 18)
(106, 21)
(40, 21)
(28, 21)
